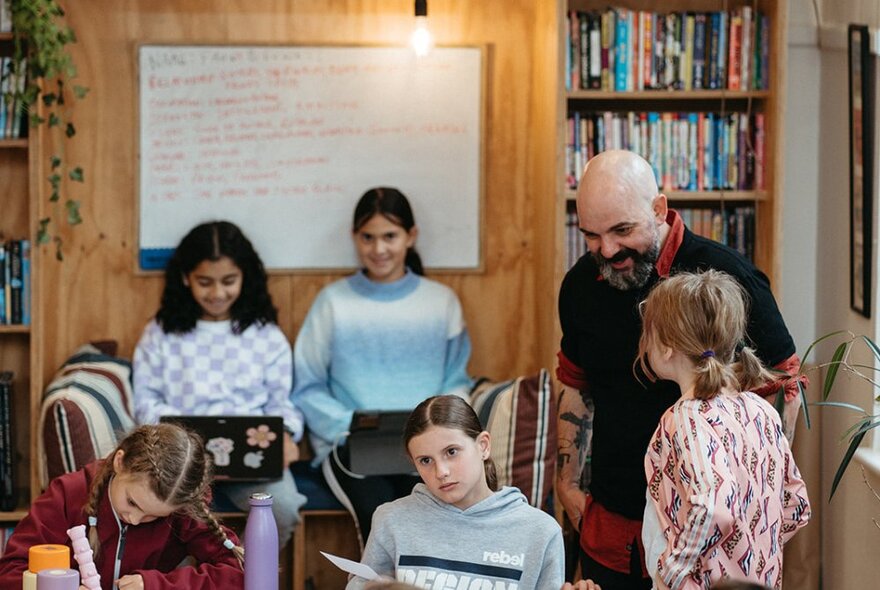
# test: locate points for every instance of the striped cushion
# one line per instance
(85, 408)
(520, 414)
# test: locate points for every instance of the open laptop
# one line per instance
(375, 443)
(243, 448)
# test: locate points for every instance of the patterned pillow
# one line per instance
(85, 409)
(520, 414)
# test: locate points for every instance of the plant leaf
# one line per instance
(833, 368)
(80, 91)
(846, 405)
(802, 392)
(872, 346)
(49, 99)
(76, 174)
(70, 131)
(844, 463)
(53, 120)
(779, 401)
(818, 340)
(73, 216)
(55, 161)
(43, 231)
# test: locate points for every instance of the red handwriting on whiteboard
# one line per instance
(169, 82)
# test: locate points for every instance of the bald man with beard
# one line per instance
(633, 241)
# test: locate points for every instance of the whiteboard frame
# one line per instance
(480, 268)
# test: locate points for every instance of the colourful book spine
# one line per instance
(687, 68)
(620, 54)
(595, 51)
(608, 27)
(669, 71)
(759, 151)
(584, 48)
(693, 150)
(699, 65)
(734, 55)
(712, 49)
(3, 317)
(658, 75)
(26, 282)
(647, 51)
(15, 282)
(746, 47)
(574, 50)
(722, 49)
(765, 54)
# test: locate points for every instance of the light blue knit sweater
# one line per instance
(382, 346)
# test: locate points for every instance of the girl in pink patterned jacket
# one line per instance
(724, 494)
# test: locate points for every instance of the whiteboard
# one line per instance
(283, 141)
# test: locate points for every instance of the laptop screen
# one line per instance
(242, 448)
(375, 443)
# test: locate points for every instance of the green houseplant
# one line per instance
(40, 51)
(842, 361)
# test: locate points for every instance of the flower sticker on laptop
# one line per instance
(260, 436)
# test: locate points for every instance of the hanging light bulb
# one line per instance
(421, 39)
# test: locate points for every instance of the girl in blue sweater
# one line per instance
(384, 338)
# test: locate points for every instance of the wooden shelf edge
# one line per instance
(691, 196)
(19, 143)
(14, 329)
(667, 94)
(13, 516)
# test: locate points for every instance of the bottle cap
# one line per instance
(43, 557)
(260, 499)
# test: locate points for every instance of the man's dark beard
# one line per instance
(638, 275)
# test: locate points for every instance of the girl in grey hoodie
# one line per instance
(455, 531)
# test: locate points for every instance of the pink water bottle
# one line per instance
(260, 545)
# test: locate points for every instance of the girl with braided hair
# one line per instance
(724, 493)
(146, 509)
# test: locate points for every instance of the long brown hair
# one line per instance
(449, 411)
(176, 468)
(704, 316)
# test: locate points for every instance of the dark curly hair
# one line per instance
(179, 311)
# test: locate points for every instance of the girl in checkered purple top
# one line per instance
(215, 348)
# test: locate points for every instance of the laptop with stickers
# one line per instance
(242, 448)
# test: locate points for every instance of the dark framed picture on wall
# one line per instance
(861, 168)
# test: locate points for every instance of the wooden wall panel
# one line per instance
(95, 292)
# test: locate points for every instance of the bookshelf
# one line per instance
(757, 97)
(18, 352)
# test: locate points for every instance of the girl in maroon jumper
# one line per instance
(146, 509)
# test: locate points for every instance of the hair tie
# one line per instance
(93, 521)
(229, 544)
(707, 353)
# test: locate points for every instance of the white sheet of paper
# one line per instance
(352, 567)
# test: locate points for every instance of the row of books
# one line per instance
(13, 114)
(623, 50)
(733, 226)
(688, 151)
(15, 282)
(8, 499)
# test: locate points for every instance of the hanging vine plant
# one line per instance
(40, 52)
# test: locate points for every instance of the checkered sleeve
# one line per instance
(149, 383)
